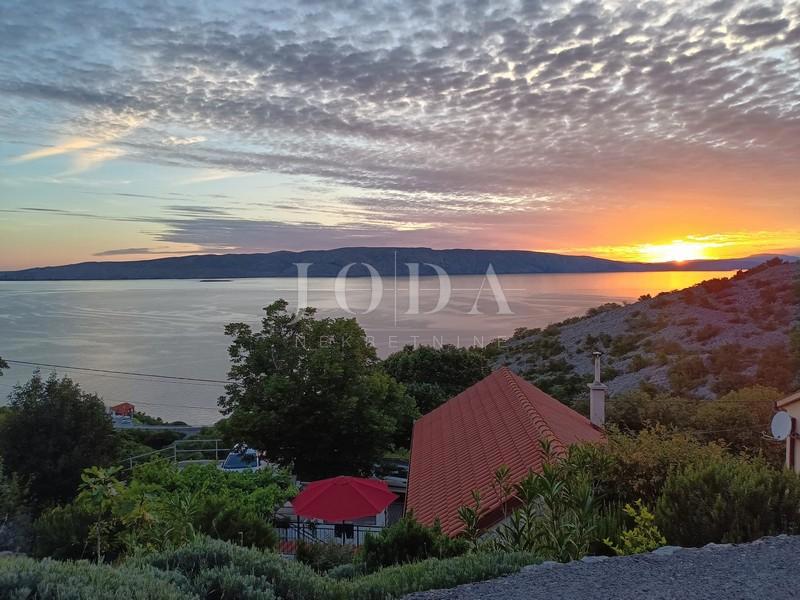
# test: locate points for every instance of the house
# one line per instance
(126, 409)
(501, 420)
(791, 405)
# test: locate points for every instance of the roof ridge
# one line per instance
(536, 417)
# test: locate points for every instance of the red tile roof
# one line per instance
(457, 447)
(124, 409)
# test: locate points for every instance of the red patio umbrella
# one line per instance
(343, 499)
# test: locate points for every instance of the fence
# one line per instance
(183, 452)
(292, 532)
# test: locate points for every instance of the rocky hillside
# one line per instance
(703, 341)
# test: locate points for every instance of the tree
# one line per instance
(51, 432)
(434, 375)
(3, 365)
(311, 392)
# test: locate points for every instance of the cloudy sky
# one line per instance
(647, 130)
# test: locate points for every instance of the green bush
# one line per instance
(25, 578)
(345, 571)
(233, 568)
(63, 533)
(732, 499)
(633, 466)
(644, 536)
(15, 520)
(224, 518)
(434, 573)
(408, 541)
(287, 579)
(324, 557)
(229, 583)
(687, 374)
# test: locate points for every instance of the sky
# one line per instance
(637, 131)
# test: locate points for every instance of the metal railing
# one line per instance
(183, 452)
(291, 532)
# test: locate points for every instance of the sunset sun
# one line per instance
(676, 251)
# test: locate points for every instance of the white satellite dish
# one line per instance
(782, 425)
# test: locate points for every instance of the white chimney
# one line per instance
(597, 396)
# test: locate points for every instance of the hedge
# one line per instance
(28, 579)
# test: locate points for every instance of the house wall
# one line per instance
(793, 443)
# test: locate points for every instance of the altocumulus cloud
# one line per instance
(430, 108)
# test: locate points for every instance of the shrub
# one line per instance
(225, 518)
(288, 579)
(25, 578)
(776, 367)
(434, 573)
(408, 541)
(637, 409)
(633, 466)
(323, 557)
(731, 499)
(687, 374)
(598, 310)
(229, 583)
(638, 362)
(739, 418)
(344, 571)
(239, 567)
(63, 533)
(15, 522)
(643, 537)
(707, 332)
(557, 516)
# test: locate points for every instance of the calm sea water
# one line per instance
(175, 327)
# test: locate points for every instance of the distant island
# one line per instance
(328, 263)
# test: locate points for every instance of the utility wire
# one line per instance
(173, 378)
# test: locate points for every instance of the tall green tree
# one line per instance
(434, 375)
(311, 392)
(50, 433)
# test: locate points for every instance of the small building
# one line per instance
(125, 409)
(791, 405)
(501, 420)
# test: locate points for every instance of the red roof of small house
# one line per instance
(456, 448)
(124, 409)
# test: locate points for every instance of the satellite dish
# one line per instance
(782, 425)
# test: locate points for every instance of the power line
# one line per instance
(173, 378)
(178, 405)
(691, 401)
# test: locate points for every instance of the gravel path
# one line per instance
(765, 569)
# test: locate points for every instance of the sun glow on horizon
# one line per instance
(677, 251)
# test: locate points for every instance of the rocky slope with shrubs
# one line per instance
(703, 341)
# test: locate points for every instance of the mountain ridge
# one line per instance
(385, 260)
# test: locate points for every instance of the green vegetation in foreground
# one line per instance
(208, 568)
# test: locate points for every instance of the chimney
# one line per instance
(597, 396)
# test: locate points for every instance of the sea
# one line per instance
(120, 338)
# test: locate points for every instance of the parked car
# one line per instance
(392, 471)
(243, 459)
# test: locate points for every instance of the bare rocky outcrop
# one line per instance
(719, 335)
